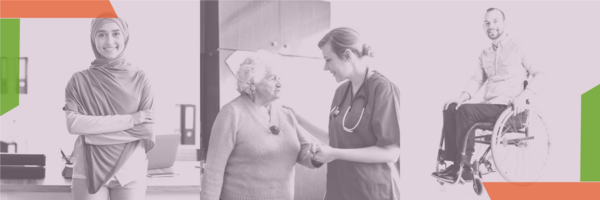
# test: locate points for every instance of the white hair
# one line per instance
(254, 69)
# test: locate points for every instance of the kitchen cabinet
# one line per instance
(303, 24)
(249, 25)
(286, 27)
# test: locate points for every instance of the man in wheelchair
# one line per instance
(505, 67)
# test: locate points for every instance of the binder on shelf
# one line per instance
(187, 123)
(23, 61)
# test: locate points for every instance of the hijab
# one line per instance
(120, 61)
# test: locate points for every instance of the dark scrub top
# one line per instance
(380, 126)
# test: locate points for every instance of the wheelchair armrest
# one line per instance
(489, 126)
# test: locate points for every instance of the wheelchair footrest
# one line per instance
(486, 173)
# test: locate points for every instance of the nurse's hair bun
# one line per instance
(366, 50)
(345, 38)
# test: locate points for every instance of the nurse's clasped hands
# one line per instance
(322, 153)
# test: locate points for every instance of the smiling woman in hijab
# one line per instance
(109, 106)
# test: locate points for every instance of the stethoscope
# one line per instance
(336, 110)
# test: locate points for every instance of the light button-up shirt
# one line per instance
(505, 70)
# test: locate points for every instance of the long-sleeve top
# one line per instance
(102, 130)
(99, 104)
(505, 69)
(247, 161)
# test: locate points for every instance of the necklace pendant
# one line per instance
(275, 130)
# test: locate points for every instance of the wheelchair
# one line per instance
(519, 144)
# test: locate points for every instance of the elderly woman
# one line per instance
(255, 143)
(109, 106)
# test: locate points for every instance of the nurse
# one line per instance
(364, 129)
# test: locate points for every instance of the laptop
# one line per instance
(164, 152)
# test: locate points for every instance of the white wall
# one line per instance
(430, 49)
(164, 41)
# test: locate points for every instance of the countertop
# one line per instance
(186, 180)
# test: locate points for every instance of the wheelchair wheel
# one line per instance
(477, 186)
(520, 145)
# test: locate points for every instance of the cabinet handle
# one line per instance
(274, 44)
(285, 46)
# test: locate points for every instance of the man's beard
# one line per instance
(497, 36)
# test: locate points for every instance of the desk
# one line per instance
(185, 184)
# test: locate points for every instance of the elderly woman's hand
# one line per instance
(316, 146)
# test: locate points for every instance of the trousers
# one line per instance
(458, 122)
(135, 190)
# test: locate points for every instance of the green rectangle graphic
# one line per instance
(9, 64)
(590, 135)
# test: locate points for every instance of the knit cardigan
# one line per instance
(246, 161)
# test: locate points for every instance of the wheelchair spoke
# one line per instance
(516, 122)
(531, 160)
(539, 165)
(519, 163)
(534, 166)
(541, 157)
(523, 166)
(505, 157)
(520, 145)
(527, 167)
(522, 121)
(515, 160)
(515, 165)
(538, 154)
(511, 163)
(541, 142)
(537, 122)
(508, 162)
